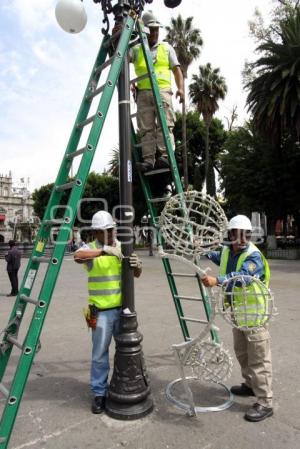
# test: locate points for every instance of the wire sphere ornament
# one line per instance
(192, 223)
(245, 302)
(209, 362)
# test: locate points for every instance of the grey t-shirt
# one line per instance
(173, 60)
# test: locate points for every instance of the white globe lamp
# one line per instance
(71, 15)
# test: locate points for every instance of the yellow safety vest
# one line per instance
(161, 67)
(104, 281)
(256, 305)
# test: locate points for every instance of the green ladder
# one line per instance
(153, 202)
(74, 188)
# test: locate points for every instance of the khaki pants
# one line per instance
(149, 126)
(253, 351)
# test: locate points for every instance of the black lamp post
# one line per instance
(129, 392)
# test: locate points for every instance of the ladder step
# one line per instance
(4, 391)
(114, 37)
(54, 222)
(194, 320)
(139, 78)
(159, 200)
(87, 121)
(97, 91)
(156, 172)
(185, 275)
(71, 156)
(41, 259)
(188, 298)
(104, 65)
(66, 186)
(28, 299)
(14, 341)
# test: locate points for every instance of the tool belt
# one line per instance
(91, 314)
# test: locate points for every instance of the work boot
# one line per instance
(258, 412)
(143, 167)
(98, 405)
(242, 390)
(162, 162)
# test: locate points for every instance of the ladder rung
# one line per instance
(28, 299)
(14, 341)
(87, 121)
(186, 275)
(54, 222)
(66, 186)
(76, 153)
(41, 259)
(139, 78)
(159, 200)
(104, 65)
(156, 172)
(95, 92)
(4, 391)
(189, 298)
(194, 320)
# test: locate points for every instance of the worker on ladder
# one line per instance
(165, 61)
(102, 261)
(252, 346)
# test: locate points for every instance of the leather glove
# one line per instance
(113, 251)
(134, 261)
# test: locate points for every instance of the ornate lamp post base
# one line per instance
(129, 392)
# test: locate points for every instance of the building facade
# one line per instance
(17, 219)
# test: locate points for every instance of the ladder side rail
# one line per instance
(54, 200)
(33, 334)
(160, 109)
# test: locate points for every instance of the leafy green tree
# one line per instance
(274, 93)
(196, 137)
(187, 42)
(98, 190)
(206, 90)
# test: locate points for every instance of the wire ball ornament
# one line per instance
(192, 223)
(209, 361)
(246, 302)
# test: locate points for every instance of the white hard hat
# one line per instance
(240, 222)
(102, 220)
(150, 20)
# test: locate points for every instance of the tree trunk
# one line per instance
(184, 143)
(206, 153)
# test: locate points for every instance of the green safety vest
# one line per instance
(104, 281)
(256, 305)
(161, 67)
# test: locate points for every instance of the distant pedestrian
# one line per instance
(13, 259)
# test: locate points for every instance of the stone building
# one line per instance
(17, 219)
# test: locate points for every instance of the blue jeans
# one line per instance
(108, 323)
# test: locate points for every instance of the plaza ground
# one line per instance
(55, 410)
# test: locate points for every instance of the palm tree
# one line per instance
(206, 90)
(274, 97)
(187, 42)
(114, 163)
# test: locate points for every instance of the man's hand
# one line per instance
(209, 281)
(180, 95)
(113, 251)
(134, 261)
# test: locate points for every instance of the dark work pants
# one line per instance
(13, 277)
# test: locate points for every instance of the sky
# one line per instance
(44, 72)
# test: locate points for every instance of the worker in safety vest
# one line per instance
(165, 61)
(102, 261)
(252, 347)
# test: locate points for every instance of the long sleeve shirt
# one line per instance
(252, 266)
